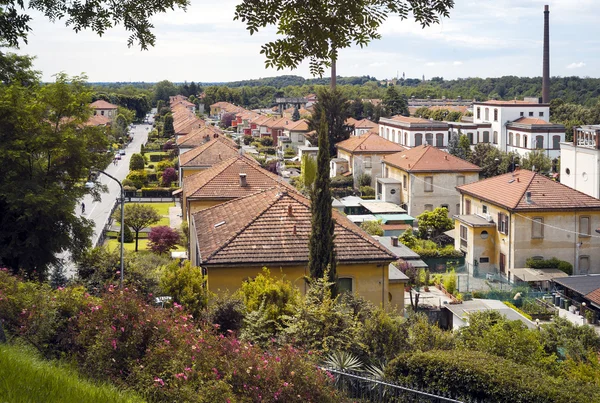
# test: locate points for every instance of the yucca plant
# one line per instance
(343, 361)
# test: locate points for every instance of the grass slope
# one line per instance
(24, 378)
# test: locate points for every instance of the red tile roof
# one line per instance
(509, 191)
(426, 158)
(223, 180)
(102, 104)
(298, 126)
(364, 124)
(215, 151)
(369, 143)
(97, 120)
(259, 230)
(408, 119)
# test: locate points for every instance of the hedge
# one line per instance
(553, 263)
(158, 157)
(158, 192)
(469, 375)
(342, 181)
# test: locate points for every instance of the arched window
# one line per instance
(387, 133)
(495, 138)
(486, 137)
(439, 139)
(381, 132)
(405, 139)
(556, 142)
(429, 138)
(495, 115)
(418, 139)
(510, 138)
(524, 141)
(539, 142)
(393, 135)
(478, 113)
(487, 114)
(518, 142)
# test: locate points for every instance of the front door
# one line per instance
(503, 264)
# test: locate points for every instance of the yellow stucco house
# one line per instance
(214, 151)
(509, 218)
(235, 177)
(423, 178)
(233, 241)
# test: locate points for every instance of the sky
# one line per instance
(481, 38)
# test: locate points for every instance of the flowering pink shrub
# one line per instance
(164, 354)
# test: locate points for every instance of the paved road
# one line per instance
(99, 211)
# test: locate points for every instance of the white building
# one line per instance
(520, 126)
(580, 161)
(413, 132)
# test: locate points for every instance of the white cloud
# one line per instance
(429, 64)
(457, 63)
(576, 65)
(378, 64)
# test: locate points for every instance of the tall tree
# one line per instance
(45, 150)
(331, 107)
(138, 216)
(318, 29)
(97, 15)
(321, 248)
(395, 104)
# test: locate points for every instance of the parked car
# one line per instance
(118, 156)
(121, 152)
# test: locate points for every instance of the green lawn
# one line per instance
(26, 378)
(142, 245)
(148, 154)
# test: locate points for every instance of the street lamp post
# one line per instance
(90, 185)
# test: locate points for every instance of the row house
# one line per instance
(235, 240)
(183, 101)
(242, 122)
(230, 179)
(214, 151)
(510, 218)
(423, 178)
(196, 138)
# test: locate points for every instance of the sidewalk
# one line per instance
(175, 215)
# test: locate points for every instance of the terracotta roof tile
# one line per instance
(188, 125)
(257, 230)
(594, 296)
(364, 124)
(215, 151)
(223, 180)
(298, 126)
(102, 104)
(426, 158)
(97, 120)
(197, 137)
(408, 119)
(369, 143)
(509, 191)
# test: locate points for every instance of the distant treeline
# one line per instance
(261, 93)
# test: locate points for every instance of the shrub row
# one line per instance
(470, 375)
(342, 181)
(552, 263)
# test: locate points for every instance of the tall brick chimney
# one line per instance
(546, 68)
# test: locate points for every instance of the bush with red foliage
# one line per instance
(162, 239)
(169, 175)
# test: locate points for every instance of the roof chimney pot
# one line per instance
(394, 241)
(243, 180)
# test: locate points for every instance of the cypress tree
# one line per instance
(321, 254)
(168, 129)
(296, 115)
